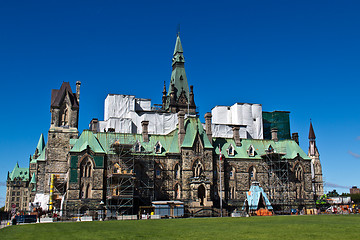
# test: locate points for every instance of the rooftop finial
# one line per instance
(178, 30)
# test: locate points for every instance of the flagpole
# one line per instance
(220, 187)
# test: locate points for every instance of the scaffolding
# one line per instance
(127, 179)
(278, 174)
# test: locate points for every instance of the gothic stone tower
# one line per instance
(179, 98)
(64, 126)
(316, 165)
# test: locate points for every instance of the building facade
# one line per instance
(142, 153)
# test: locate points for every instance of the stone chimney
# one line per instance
(94, 125)
(236, 135)
(78, 83)
(181, 134)
(295, 137)
(274, 134)
(208, 126)
(145, 132)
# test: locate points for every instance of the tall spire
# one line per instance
(178, 75)
(178, 97)
(178, 46)
(41, 144)
(311, 133)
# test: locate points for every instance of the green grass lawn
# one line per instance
(276, 227)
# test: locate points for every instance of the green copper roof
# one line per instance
(167, 142)
(87, 139)
(178, 75)
(40, 158)
(21, 173)
(178, 46)
(33, 180)
(289, 148)
(41, 144)
(193, 127)
(39, 151)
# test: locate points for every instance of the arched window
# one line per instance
(299, 173)
(87, 191)
(232, 173)
(198, 169)
(177, 171)
(177, 191)
(198, 147)
(86, 168)
(64, 116)
(252, 174)
(232, 193)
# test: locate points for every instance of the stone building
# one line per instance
(142, 153)
(316, 165)
(18, 188)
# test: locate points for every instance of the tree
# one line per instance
(333, 193)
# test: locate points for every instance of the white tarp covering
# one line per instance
(117, 106)
(42, 199)
(124, 113)
(225, 131)
(339, 200)
(242, 114)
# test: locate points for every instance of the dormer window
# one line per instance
(270, 149)
(137, 147)
(231, 150)
(251, 151)
(158, 148)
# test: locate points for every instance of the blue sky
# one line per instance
(297, 56)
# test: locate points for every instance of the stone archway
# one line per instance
(201, 194)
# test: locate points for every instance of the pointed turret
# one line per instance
(312, 143)
(178, 95)
(311, 133)
(164, 97)
(33, 180)
(316, 171)
(41, 144)
(178, 75)
(178, 46)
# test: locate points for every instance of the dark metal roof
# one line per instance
(311, 132)
(58, 95)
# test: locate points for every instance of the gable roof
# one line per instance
(87, 139)
(58, 95)
(193, 128)
(18, 172)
